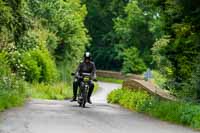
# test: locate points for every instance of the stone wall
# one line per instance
(135, 84)
(117, 75)
(110, 74)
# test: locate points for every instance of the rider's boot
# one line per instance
(73, 99)
(89, 101)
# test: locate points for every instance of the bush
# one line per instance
(67, 37)
(132, 62)
(28, 42)
(30, 67)
(12, 89)
(177, 112)
(159, 79)
(48, 67)
(35, 65)
(115, 96)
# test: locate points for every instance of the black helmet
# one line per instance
(87, 55)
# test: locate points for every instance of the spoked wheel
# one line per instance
(80, 101)
(84, 99)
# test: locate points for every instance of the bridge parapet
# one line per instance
(136, 82)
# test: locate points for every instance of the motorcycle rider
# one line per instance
(87, 66)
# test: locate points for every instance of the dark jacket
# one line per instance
(86, 68)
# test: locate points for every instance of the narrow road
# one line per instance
(44, 116)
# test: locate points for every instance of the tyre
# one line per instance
(83, 104)
(84, 98)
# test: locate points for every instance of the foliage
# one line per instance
(38, 66)
(131, 25)
(28, 42)
(132, 62)
(42, 38)
(176, 112)
(165, 32)
(58, 91)
(158, 50)
(13, 24)
(181, 51)
(99, 22)
(159, 79)
(64, 20)
(191, 89)
(37, 38)
(12, 89)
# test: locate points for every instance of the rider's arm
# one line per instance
(77, 74)
(94, 76)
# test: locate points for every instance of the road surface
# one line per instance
(45, 116)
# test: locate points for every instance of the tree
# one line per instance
(132, 62)
(99, 22)
(64, 20)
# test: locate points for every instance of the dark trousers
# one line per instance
(76, 84)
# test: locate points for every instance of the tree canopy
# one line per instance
(163, 34)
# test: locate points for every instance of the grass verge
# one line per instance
(12, 95)
(12, 88)
(187, 114)
(96, 87)
(110, 80)
(57, 91)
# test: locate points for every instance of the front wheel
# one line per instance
(83, 104)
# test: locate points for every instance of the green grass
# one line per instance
(58, 91)
(12, 93)
(110, 80)
(12, 99)
(17, 92)
(12, 89)
(176, 112)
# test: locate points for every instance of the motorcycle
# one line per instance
(85, 78)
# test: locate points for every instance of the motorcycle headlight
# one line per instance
(86, 79)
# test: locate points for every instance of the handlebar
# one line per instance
(84, 74)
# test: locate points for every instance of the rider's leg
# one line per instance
(75, 88)
(90, 92)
